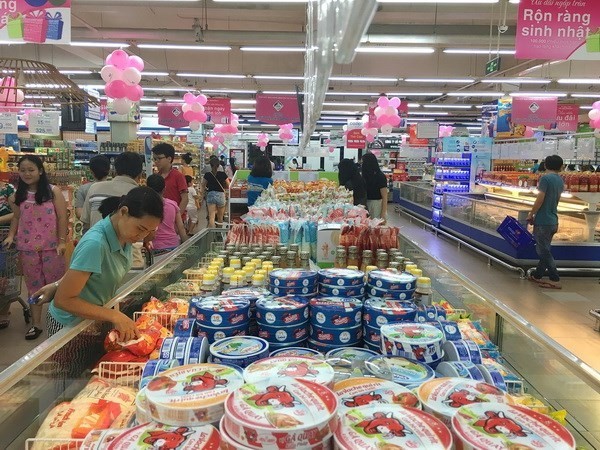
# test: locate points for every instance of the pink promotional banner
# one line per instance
(171, 115)
(35, 21)
(218, 110)
(558, 29)
(534, 111)
(567, 117)
(277, 109)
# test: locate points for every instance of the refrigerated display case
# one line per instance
(59, 367)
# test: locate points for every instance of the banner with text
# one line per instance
(35, 21)
(567, 117)
(558, 29)
(354, 138)
(277, 109)
(506, 127)
(171, 115)
(535, 111)
(218, 110)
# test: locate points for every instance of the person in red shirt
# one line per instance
(176, 188)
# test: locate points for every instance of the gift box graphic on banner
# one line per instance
(592, 43)
(55, 26)
(35, 27)
(14, 25)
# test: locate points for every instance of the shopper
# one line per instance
(216, 185)
(544, 217)
(6, 272)
(39, 227)
(128, 169)
(260, 178)
(294, 165)
(349, 177)
(175, 185)
(377, 187)
(99, 263)
(100, 168)
(231, 169)
(170, 232)
(193, 206)
(186, 169)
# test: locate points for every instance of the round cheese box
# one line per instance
(361, 391)
(379, 312)
(191, 395)
(391, 281)
(293, 278)
(298, 351)
(341, 277)
(390, 295)
(220, 311)
(420, 342)
(283, 334)
(345, 292)
(277, 367)
(240, 350)
(282, 311)
(399, 370)
(151, 436)
(331, 312)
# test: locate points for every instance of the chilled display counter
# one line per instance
(59, 367)
(475, 218)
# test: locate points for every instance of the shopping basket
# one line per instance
(10, 280)
(515, 233)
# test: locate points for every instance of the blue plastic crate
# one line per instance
(515, 233)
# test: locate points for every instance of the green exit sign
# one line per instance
(492, 66)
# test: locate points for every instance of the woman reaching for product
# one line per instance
(100, 261)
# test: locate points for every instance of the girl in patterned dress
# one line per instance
(39, 227)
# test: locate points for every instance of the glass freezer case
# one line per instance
(59, 367)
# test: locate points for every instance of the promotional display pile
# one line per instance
(280, 366)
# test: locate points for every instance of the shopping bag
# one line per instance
(592, 42)
(55, 26)
(14, 25)
(35, 27)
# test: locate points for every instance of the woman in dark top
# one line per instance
(259, 179)
(377, 187)
(350, 178)
(216, 185)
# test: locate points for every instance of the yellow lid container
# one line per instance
(236, 263)
(352, 267)
(209, 278)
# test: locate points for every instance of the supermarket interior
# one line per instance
(299, 224)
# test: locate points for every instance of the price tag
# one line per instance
(8, 123)
(46, 123)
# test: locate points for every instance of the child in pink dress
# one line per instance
(39, 227)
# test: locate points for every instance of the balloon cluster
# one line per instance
(193, 110)
(122, 74)
(594, 116)
(369, 132)
(346, 131)
(215, 139)
(386, 113)
(330, 146)
(262, 141)
(229, 130)
(10, 97)
(446, 131)
(285, 132)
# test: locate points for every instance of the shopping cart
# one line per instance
(10, 280)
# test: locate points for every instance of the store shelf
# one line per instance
(238, 201)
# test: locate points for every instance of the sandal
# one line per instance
(4, 324)
(550, 285)
(33, 333)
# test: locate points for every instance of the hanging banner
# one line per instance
(534, 111)
(35, 21)
(277, 109)
(46, 123)
(354, 138)
(8, 123)
(171, 115)
(506, 128)
(218, 110)
(558, 29)
(567, 117)
(413, 140)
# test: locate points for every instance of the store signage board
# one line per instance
(354, 138)
(35, 21)
(45, 123)
(277, 109)
(171, 115)
(506, 127)
(492, 66)
(534, 111)
(428, 130)
(558, 29)
(93, 112)
(8, 123)
(218, 110)
(567, 117)
(467, 144)
(196, 137)
(413, 140)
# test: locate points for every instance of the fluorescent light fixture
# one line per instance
(428, 113)
(41, 96)
(538, 94)
(75, 72)
(149, 108)
(100, 44)
(365, 79)
(584, 95)
(229, 91)
(278, 77)
(11, 43)
(360, 94)
(99, 87)
(272, 49)
(516, 80)
(475, 51)
(327, 126)
(472, 2)
(211, 75)
(340, 117)
(440, 80)
(475, 94)
(414, 105)
(586, 107)
(267, 125)
(350, 113)
(414, 94)
(185, 47)
(155, 74)
(395, 49)
(166, 89)
(343, 104)
(261, 1)
(444, 106)
(420, 119)
(243, 102)
(578, 81)
(242, 110)
(280, 92)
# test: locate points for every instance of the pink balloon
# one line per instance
(202, 99)
(373, 131)
(596, 105)
(379, 111)
(119, 59)
(132, 76)
(364, 131)
(395, 121)
(390, 111)
(136, 62)
(383, 101)
(202, 117)
(135, 93)
(194, 125)
(189, 98)
(384, 120)
(595, 123)
(116, 89)
(594, 114)
(370, 138)
(188, 115)
(186, 107)
(528, 132)
(121, 106)
(395, 102)
(197, 107)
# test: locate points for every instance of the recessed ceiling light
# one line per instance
(185, 47)
(474, 51)
(440, 80)
(390, 49)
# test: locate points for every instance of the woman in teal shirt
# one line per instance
(100, 261)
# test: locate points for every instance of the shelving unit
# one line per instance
(452, 174)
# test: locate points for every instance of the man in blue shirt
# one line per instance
(544, 217)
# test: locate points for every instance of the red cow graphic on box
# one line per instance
(276, 397)
(167, 439)
(384, 424)
(498, 423)
(363, 399)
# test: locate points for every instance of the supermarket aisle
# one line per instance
(561, 314)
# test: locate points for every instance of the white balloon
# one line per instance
(132, 76)
(389, 111)
(122, 105)
(378, 111)
(194, 125)
(20, 96)
(386, 129)
(197, 107)
(186, 107)
(594, 114)
(111, 73)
